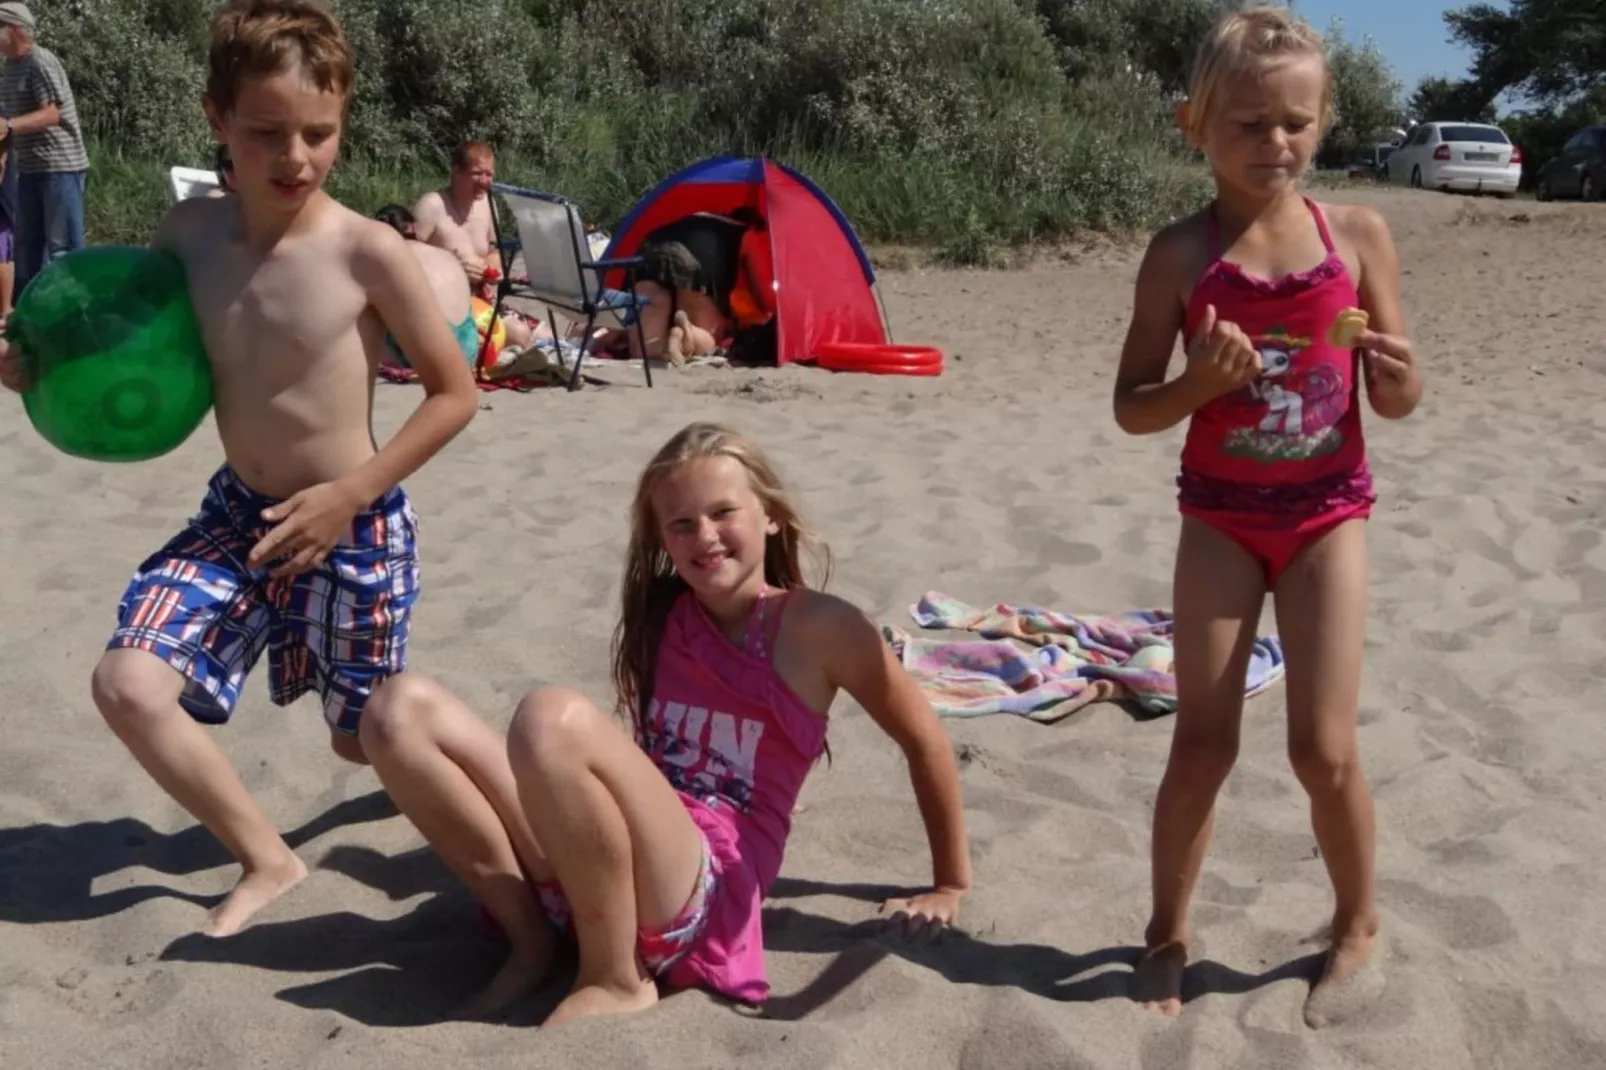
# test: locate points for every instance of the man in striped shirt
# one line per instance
(41, 124)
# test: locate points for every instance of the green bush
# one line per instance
(966, 125)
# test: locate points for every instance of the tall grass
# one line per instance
(951, 124)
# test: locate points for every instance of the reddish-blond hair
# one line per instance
(466, 154)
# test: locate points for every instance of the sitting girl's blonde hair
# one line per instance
(651, 586)
(1241, 41)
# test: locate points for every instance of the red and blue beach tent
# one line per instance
(822, 280)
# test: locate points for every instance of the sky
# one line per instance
(1410, 33)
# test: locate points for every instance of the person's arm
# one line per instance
(308, 524)
(857, 660)
(427, 216)
(46, 86)
(401, 294)
(32, 122)
(1145, 401)
(1393, 380)
(493, 259)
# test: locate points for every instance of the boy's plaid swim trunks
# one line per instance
(339, 629)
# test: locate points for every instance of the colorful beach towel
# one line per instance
(1067, 663)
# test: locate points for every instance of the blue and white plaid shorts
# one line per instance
(339, 629)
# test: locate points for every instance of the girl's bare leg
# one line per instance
(1219, 590)
(447, 770)
(655, 323)
(1321, 616)
(626, 853)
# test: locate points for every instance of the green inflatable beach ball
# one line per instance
(113, 355)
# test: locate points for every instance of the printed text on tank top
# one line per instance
(712, 753)
(1289, 444)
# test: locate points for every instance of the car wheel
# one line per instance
(1416, 178)
(1586, 189)
(1542, 190)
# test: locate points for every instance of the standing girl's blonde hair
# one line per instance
(1242, 41)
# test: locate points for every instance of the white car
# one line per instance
(1470, 157)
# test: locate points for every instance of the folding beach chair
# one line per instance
(560, 271)
(187, 182)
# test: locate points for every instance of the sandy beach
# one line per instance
(1005, 480)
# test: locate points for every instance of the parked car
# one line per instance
(1375, 165)
(1579, 170)
(1468, 157)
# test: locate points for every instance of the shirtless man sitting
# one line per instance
(458, 219)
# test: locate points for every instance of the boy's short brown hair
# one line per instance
(259, 38)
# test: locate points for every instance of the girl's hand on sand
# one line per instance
(308, 525)
(924, 916)
(1221, 358)
(11, 373)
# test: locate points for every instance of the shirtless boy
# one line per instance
(304, 543)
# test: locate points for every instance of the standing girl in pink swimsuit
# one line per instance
(1275, 487)
(655, 852)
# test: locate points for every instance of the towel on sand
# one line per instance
(1069, 661)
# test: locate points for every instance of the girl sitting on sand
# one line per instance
(655, 852)
(1274, 293)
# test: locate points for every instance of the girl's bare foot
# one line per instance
(1351, 981)
(679, 340)
(258, 887)
(591, 1000)
(525, 970)
(1157, 981)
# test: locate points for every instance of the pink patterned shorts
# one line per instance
(659, 948)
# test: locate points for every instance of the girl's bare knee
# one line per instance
(1202, 762)
(1323, 768)
(550, 723)
(402, 708)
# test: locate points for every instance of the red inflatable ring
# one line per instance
(879, 359)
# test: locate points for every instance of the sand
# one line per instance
(1005, 480)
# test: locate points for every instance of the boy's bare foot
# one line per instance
(257, 888)
(1157, 981)
(525, 970)
(589, 1001)
(1351, 981)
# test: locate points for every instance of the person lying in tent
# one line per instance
(698, 282)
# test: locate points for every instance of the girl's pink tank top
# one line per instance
(737, 743)
(1289, 445)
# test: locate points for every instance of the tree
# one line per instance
(1549, 51)
(1366, 98)
(1101, 37)
(1441, 100)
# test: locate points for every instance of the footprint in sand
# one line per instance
(1459, 922)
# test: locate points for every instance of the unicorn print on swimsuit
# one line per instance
(1301, 400)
